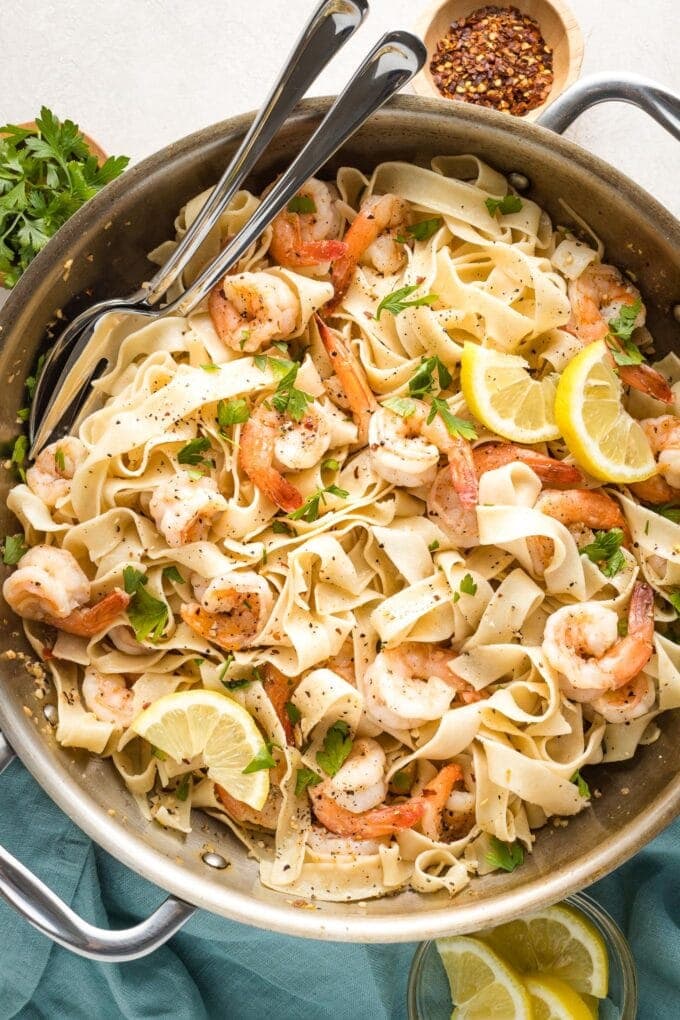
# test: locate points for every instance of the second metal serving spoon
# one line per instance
(393, 62)
(326, 32)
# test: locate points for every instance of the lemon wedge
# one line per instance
(557, 942)
(553, 999)
(482, 984)
(502, 394)
(600, 434)
(198, 722)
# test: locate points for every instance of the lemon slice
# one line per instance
(499, 391)
(199, 722)
(558, 942)
(599, 432)
(482, 984)
(553, 999)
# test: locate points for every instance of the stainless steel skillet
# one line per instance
(140, 208)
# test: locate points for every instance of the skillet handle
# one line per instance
(658, 102)
(40, 907)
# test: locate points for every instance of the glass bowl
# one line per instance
(428, 987)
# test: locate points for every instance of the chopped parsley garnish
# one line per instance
(148, 616)
(193, 452)
(304, 778)
(210, 367)
(397, 301)
(232, 412)
(182, 791)
(624, 351)
(330, 465)
(402, 781)
(583, 787)
(157, 753)
(422, 381)
(23, 413)
(172, 574)
(238, 684)
(454, 426)
(226, 666)
(14, 547)
(309, 511)
(433, 546)
(304, 204)
(32, 380)
(288, 399)
(337, 745)
(293, 712)
(19, 454)
(468, 586)
(403, 406)
(622, 626)
(262, 760)
(59, 459)
(48, 172)
(281, 528)
(278, 366)
(422, 231)
(507, 204)
(670, 512)
(674, 599)
(506, 856)
(605, 550)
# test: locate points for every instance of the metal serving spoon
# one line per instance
(393, 62)
(328, 29)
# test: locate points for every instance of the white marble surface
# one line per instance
(137, 74)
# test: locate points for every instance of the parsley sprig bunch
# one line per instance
(46, 174)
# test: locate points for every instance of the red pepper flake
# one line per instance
(495, 57)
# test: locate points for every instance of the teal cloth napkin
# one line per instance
(219, 969)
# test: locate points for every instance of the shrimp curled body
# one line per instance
(232, 609)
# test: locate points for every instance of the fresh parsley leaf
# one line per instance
(623, 325)
(605, 550)
(172, 574)
(506, 856)
(402, 406)
(397, 301)
(193, 452)
(46, 174)
(583, 787)
(670, 512)
(507, 204)
(304, 778)
(226, 666)
(14, 547)
(262, 760)
(304, 204)
(293, 712)
(23, 413)
(281, 528)
(422, 231)
(309, 511)
(157, 753)
(210, 367)
(288, 399)
(433, 546)
(625, 352)
(337, 745)
(674, 599)
(238, 684)
(330, 465)
(32, 380)
(622, 626)
(454, 426)
(182, 791)
(402, 781)
(59, 459)
(468, 586)
(232, 412)
(148, 615)
(133, 579)
(422, 381)
(19, 454)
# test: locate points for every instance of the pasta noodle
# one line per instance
(252, 465)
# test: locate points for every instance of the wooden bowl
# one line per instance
(558, 25)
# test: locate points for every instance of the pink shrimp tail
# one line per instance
(463, 473)
(89, 620)
(647, 380)
(321, 251)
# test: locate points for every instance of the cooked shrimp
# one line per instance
(635, 698)
(51, 475)
(272, 442)
(459, 521)
(351, 377)
(582, 511)
(232, 609)
(267, 818)
(412, 684)
(582, 642)
(597, 296)
(278, 688)
(250, 309)
(384, 820)
(184, 509)
(372, 235)
(49, 586)
(309, 239)
(108, 697)
(405, 451)
(664, 438)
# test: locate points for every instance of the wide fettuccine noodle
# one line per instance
(363, 583)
